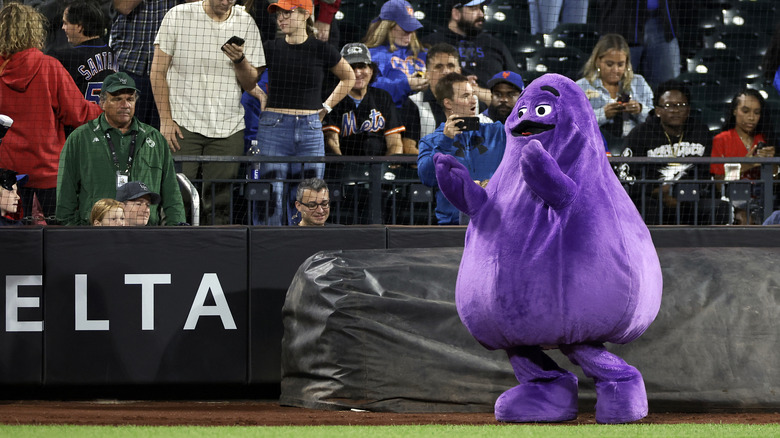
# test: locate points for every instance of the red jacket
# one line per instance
(40, 96)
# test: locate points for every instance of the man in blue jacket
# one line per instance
(480, 150)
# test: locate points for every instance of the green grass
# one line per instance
(490, 431)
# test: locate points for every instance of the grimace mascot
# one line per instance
(556, 256)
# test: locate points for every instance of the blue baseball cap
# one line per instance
(507, 77)
(402, 13)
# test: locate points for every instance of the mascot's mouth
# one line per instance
(527, 127)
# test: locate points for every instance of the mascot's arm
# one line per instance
(542, 173)
(457, 185)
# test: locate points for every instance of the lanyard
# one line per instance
(113, 152)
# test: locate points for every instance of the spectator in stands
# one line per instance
(546, 14)
(312, 201)
(10, 181)
(196, 91)
(41, 98)
(480, 150)
(670, 132)
(132, 38)
(107, 212)
(748, 132)
(396, 51)
(325, 10)
(771, 62)
(505, 88)
(481, 54)
(137, 198)
(111, 150)
(366, 122)
(421, 113)
(291, 124)
(90, 59)
(620, 98)
(652, 31)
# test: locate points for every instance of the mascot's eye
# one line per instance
(521, 112)
(543, 110)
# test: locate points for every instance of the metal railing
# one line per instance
(402, 199)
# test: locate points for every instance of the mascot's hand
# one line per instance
(457, 185)
(542, 173)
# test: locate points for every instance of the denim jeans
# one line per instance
(546, 14)
(285, 135)
(657, 60)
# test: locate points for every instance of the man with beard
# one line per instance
(505, 88)
(670, 132)
(481, 54)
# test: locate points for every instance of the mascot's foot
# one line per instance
(621, 402)
(539, 401)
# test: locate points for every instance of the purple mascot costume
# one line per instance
(556, 255)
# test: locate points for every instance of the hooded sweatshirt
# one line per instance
(40, 96)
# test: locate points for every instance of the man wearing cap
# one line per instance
(137, 198)
(365, 123)
(107, 152)
(197, 87)
(481, 54)
(10, 181)
(505, 88)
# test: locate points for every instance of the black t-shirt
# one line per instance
(296, 72)
(362, 129)
(482, 55)
(88, 64)
(649, 140)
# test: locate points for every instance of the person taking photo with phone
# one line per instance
(474, 140)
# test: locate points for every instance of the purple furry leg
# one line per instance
(620, 390)
(546, 393)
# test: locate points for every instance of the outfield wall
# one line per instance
(186, 306)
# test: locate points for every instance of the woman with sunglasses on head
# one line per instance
(620, 99)
(291, 122)
(396, 51)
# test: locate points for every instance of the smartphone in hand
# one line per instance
(234, 40)
(623, 98)
(467, 123)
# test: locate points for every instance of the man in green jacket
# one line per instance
(109, 151)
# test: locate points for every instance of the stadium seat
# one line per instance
(567, 61)
(580, 36)
(744, 40)
(708, 89)
(522, 46)
(757, 15)
(507, 16)
(728, 63)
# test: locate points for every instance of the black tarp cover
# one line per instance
(378, 330)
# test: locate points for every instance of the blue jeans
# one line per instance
(284, 135)
(546, 14)
(656, 60)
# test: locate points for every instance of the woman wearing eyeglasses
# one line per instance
(291, 122)
(670, 132)
(620, 98)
